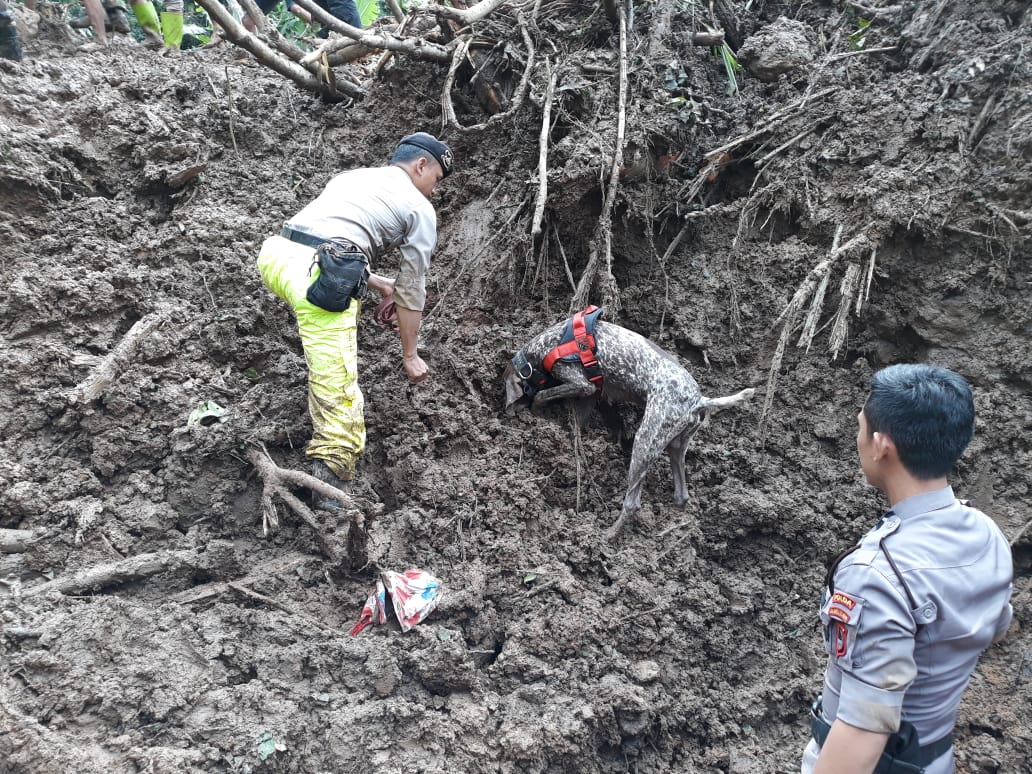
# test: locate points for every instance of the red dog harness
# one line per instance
(581, 346)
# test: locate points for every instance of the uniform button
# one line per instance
(928, 614)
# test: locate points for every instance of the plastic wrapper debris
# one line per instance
(414, 595)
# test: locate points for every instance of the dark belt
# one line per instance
(311, 240)
(913, 759)
(302, 237)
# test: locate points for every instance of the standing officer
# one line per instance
(911, 607)
(358, 216)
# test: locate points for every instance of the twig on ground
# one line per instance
(546, 125)
(232, 111)
(260, 572)
(1014, 540)
(236, 586)
(790, 313)
(840, 327)
(566, 263)
(860, 52)
(861, 298)
(116, 361)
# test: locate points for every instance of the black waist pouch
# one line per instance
(343, 274)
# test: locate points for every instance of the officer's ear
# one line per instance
(883, 446)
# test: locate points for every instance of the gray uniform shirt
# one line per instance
(890, 658)
(377, 209)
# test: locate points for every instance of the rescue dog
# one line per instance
(633, 370)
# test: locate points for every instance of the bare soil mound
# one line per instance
(135, 189)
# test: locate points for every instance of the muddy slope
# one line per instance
(690, 645)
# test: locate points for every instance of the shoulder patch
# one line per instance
(846, 601)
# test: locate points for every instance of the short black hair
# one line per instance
(405, 153)
(927, 411)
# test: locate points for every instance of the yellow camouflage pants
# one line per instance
(331, 351)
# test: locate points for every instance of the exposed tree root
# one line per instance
(601, 243)
(812, 287)
(546, 119)
(277, 479)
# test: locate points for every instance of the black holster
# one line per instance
(343, 275)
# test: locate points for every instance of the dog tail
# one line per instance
(709, 406)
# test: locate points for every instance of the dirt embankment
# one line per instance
(690, 645)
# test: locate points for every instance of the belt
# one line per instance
(302, 237)
(918, 756)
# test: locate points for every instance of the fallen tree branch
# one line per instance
(415, 47)
(127, 570)
(465, 16)
(546, 125)
(399, 14)
(261, 51)
(261, 24)
(104, 375)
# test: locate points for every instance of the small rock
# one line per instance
(645, 672)
(776, 49)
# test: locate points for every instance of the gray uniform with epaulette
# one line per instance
(903, 640)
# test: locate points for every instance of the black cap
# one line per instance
(434, 147)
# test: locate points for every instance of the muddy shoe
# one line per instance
(322, 472)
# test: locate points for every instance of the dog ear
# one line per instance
(513, 389)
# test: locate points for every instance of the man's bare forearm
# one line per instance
(381, 284)
(850, 750)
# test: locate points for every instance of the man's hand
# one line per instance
(408, 328)
(415, 368)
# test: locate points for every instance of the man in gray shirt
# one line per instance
(911, 607)
(363, 212)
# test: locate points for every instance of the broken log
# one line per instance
(15, 541)
(127, 570)
(415, 47)
(466, 16)
(104, 375)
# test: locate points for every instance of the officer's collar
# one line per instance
(924, 502)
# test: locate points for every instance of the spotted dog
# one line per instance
(630, 369)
